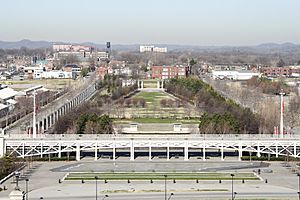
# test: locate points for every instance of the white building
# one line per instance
(128, 82)
(234, 75)
(122, 71)
(152, 48)
(6, 94)
(71, 47)
(160, 49)
(56, 74)
(146, 48)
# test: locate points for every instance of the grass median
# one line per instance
(160, 176)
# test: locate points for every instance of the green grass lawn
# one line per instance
(160, 176)
(153, 112)
(152, 98)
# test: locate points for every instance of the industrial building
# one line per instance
(234, 75)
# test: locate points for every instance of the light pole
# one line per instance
(232, 193)
(17, 174)
(165, 186)
(26, 188)
(299, 185)
(170, 196)
(105, 196)
(281, 113)
(96, 178)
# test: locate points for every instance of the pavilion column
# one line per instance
(41, 150)
(96, 151)
(203, 152)
(150, 151)
(258, 151)
(114, 153)
(59, 150)
(186, 151)
(132, 150)
(168, 152)
(222, 152)
(78, 152)
(240, 152)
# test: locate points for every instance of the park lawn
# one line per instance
(160, 176)
(152, 98)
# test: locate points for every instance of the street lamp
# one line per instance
(96, 178)
(299, 185)
(17, 175)
(105, 196)
(26, 188)
(232, 193)
(165, 186)
(170, 196)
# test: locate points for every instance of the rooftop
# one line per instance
(7, 93)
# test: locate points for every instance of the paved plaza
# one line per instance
(278, 180)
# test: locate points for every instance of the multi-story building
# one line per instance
(152, 48)
(82, 56)
(277, 71)
(160, 49)
(167, 72)
(103, 70)
(72, 68)
(71, 47)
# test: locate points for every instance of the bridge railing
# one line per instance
(153, 136)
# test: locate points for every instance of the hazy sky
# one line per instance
(198, 22)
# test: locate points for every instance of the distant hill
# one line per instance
(262, 48)
(25, 43)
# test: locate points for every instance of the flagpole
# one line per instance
(281, 113)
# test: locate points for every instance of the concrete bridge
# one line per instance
(60, 144)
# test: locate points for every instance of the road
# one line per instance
(179, 196)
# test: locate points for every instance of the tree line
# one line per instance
(93, 116)
(267, 86)
(221, 115)
(8, 164)
(94, 124)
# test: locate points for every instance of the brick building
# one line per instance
(167, 72)
(277, 71)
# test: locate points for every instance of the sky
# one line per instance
(185, 22)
